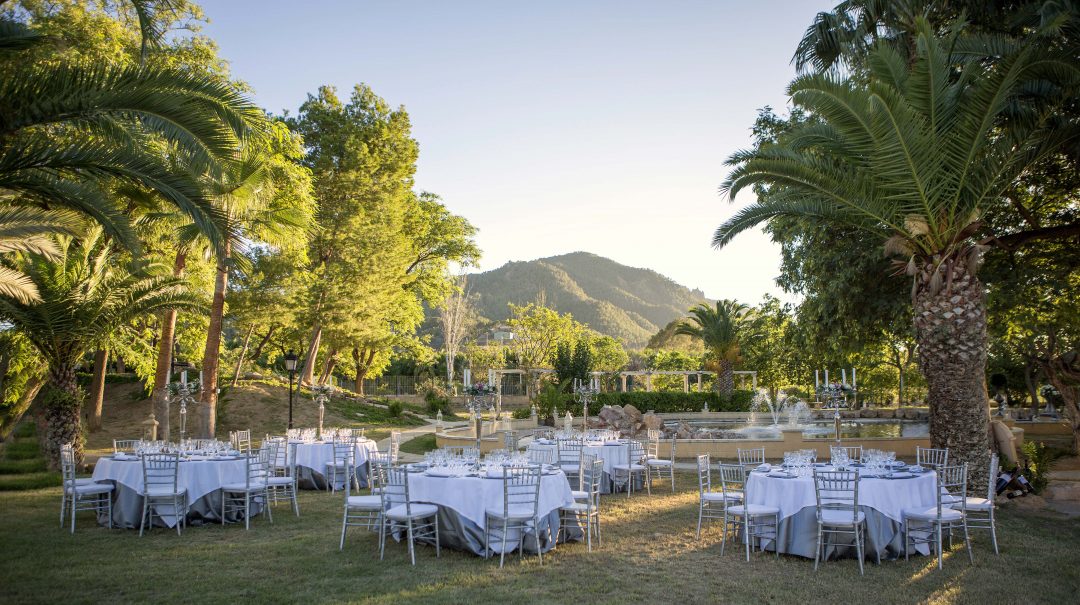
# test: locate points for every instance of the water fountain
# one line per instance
(794, 410)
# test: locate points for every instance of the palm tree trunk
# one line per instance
(97, 389)
(212, 354)
(163, 372)
(243, 351)
(725, 377)
(950, 326)
(307, 373)
(60, 416)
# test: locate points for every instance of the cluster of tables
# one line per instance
(610, 452)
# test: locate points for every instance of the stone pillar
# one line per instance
(648, 382)
(699, 382)
(622, 379)
(685, 383)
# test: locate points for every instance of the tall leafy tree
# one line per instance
(913, 155)
(724, 330)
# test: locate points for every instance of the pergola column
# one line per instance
(622, 379)
(685, 383)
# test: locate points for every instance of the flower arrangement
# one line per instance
(322, 391)
(480, 389)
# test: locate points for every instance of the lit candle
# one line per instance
(183, 378)
(817, 380)
(200, 377)
(844, 376)
(853, 378)
(826, 376)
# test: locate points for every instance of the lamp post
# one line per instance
(290, 365)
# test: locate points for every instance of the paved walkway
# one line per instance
(413, 433)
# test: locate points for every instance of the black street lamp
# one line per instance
(290, 365)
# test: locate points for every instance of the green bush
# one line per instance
(667, 402)
(394, 409)
(436, 404)
(1039, 457)
(522, 413)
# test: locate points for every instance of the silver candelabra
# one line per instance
(184, 392)
(585, 393)
(322, 394)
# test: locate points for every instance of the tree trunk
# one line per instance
(60, 414)
(358, 373)
(257, 353)
(950, 326)
(307, 373)
(328, 367)
(15, 413)
(97, 389)
(121, 367)
(725, 377)
(362, 360)
(1063, 371)
(163, 372)
(243, 351)
(1030, 368)
(212, 354)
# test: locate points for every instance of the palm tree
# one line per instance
(912, 154)
(86, 298)
(29, 230)
(723, 330)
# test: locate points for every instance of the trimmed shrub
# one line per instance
(394, 409)
(667, 402)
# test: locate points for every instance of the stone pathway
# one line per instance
(1063, 492)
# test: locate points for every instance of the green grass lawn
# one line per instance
(649, 555)
(419, 445)
(21, 464)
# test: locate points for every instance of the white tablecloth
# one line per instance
(316, 456)
(611, 454)
(199, 477)
(887, 496)
(471, 496)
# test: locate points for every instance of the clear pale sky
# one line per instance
(554, 126)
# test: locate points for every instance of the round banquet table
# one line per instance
(462, 502)
(881, 499)
(201, 478)
(610, 453)
(312, 458)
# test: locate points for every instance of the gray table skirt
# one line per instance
(307, 478)
(459, 533)
(128, 509)
(798, 536)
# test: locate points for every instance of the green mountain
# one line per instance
(624, 302)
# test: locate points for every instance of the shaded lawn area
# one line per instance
(419, 445)
(649, 555)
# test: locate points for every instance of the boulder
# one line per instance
(886, 413)
(869, 413)
(652, 421)
(611, 415)
(632, 412)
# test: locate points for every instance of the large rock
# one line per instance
(632, 412)
(869, 413)
(611, 415)
(652, 421)
(886, 413)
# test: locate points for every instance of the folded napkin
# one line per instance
(766, 467)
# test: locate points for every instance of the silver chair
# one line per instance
(854, 452)
(160, 488)
(837, 495)
(241, 440)
(401, 513)
(363, 511)
(980, 511)
(752, 519)
(510, 441)
(588, 510)
(520, 509)
(752, 456)
(655, 464)
(634, 466)
(711, 504)
(582, 492)
(950, 479)
(342, 464)
(395, 446)
(570, 458)
(934, 458)
(240, 496)
(84, 495)
(378, 462)
(126, 446)
(653, 437)
(540, 455)
(282, 472)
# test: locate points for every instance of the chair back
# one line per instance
(652, 434)
(378, 462)
(344, 453)
(704, 475)
(592, 472)
(67, 466)
(241, 440)
(853, 452)
(952, 488)
(837, 490)
(510, 441)
(395, 489)
(124, 445)
(934, 458)
(586, 462)
(357, 433)
(281, 455)
(672, 452)
(521, 489)
(540, 455)
(653, 449)
(160, 472)
(994, 468)
(570, 451)
(750, 456)
(733, 480)
(635, 452)
(258, 467)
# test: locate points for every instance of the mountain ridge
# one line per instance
(628, 303)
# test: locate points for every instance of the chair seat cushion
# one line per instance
(841, 517)
(721, 497)
(930, 514)
(577, 507)
(658, 462)
(161, 491)
(419, 511)
(376, 491)
(947, 498)
(84, 481)
(366, 502)
(569, 467)
(629, 467)
(753, 510)
(979, 504)
(88, 489)
(579, 494)
(243, 487)
(516, 512)
(280, 481)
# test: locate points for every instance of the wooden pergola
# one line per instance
(686, 374)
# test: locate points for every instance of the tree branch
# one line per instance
(1022, 238)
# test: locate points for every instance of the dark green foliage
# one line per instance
(22, 466)
(548, 399)
(666, 402)
(436, 404)
(394, 409)
(521, 413)
(571, 363)
(22, 450)
(1039, 458)
(582, 361)
(563, 363)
